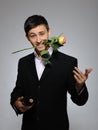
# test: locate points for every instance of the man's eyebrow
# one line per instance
(31, 33)
(38, 32)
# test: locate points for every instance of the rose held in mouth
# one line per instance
(62, 40)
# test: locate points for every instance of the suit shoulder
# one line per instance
(66, 56)
(27, 57)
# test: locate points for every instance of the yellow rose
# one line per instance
(62, 40)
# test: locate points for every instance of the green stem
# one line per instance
(22, 50)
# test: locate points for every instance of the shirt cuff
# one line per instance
(79, 91)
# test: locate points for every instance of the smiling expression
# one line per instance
(37, 35)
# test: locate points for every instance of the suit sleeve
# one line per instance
(81, 97)
(18, 89)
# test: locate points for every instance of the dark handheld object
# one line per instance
(26, 101)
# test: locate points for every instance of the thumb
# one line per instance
(31, 100)
(87, 71)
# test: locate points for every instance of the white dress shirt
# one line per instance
(40, 66)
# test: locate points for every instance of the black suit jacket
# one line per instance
(49, 93)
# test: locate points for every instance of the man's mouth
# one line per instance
(39, 43)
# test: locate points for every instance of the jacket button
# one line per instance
(37, 118)
(38, 86)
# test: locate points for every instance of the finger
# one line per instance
(20, 98)
(88, 70)
(77, 78)
(24, 108)
(78, 73)
(31, 100)
(80, 79)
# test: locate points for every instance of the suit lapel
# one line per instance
(45, 72)
(32, 67)
(48, 67)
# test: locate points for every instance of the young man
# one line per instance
(46, 85)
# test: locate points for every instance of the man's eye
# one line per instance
(41, 34)
(32, 36)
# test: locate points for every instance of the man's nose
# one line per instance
(38, 39)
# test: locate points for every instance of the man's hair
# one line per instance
(34, 21)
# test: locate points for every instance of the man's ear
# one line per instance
(49, 31)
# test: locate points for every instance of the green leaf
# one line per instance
(44, 52)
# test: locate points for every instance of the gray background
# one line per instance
(77, 20)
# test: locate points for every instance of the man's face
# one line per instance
(37, 35)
